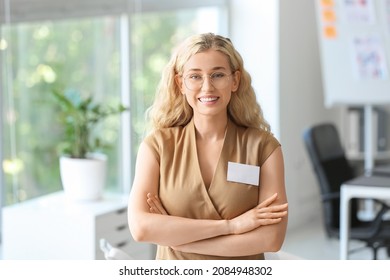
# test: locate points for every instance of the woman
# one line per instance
(209, 180)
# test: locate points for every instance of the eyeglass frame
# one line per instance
(203, 79)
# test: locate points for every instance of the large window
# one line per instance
(115, 53)
(72, 55)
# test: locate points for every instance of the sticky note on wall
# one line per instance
(330, 32)
(327, 3)
(328, 16)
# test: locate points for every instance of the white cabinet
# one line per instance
(51, 227)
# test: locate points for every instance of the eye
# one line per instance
(194, 77)
(217, 75)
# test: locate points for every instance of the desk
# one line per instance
(381, 170)
(360, 187)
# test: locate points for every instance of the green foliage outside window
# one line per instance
(82, 55)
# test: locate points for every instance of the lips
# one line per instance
(208, 99)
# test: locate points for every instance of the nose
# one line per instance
(207, 83)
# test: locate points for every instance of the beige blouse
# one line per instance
(182, 190)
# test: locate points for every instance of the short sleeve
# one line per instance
(270, 145)
(152, 141)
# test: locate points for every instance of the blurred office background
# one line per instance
(116, 50)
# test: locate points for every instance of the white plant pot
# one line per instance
(83, 179)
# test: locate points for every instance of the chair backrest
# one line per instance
(331, 167)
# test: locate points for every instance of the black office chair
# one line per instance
(332, 169)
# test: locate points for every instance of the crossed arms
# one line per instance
(261, 229)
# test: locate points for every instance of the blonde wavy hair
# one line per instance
(170, 107)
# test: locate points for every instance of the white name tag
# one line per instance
(243, 173)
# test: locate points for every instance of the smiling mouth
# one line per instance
(208, 99)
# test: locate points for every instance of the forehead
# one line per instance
(207, 61)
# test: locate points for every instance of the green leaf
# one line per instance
(79, 118)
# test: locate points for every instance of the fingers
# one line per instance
(268, 201)
(265, 205)
(268, 215)
(152, 207)
(155, 204)
(274, 215)
(265, 222)
(271, 218)
(274, 208)
(276, 211)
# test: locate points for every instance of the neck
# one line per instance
(210, 128)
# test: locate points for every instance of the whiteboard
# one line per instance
(354, 42)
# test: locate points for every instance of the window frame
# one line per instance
(28, 11)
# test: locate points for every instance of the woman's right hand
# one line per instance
(261, 215)
(155, 205)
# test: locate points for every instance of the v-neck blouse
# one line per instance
(181, 187)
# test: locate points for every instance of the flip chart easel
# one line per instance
(354, 43)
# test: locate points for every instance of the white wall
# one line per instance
(254, 31)
(278, 42)
(301, 104)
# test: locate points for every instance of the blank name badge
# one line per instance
(243, 173)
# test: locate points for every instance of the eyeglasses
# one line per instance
(219, 80)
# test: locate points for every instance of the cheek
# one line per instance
(229, 97)
(188, 98)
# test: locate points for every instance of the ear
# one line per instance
(236, 80)
(179, 82)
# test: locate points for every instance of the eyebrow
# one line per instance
(214, 68)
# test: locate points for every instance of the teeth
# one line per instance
(208, 99)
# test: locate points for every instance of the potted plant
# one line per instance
(82, 164)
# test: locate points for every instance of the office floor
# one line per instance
(311, 243)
